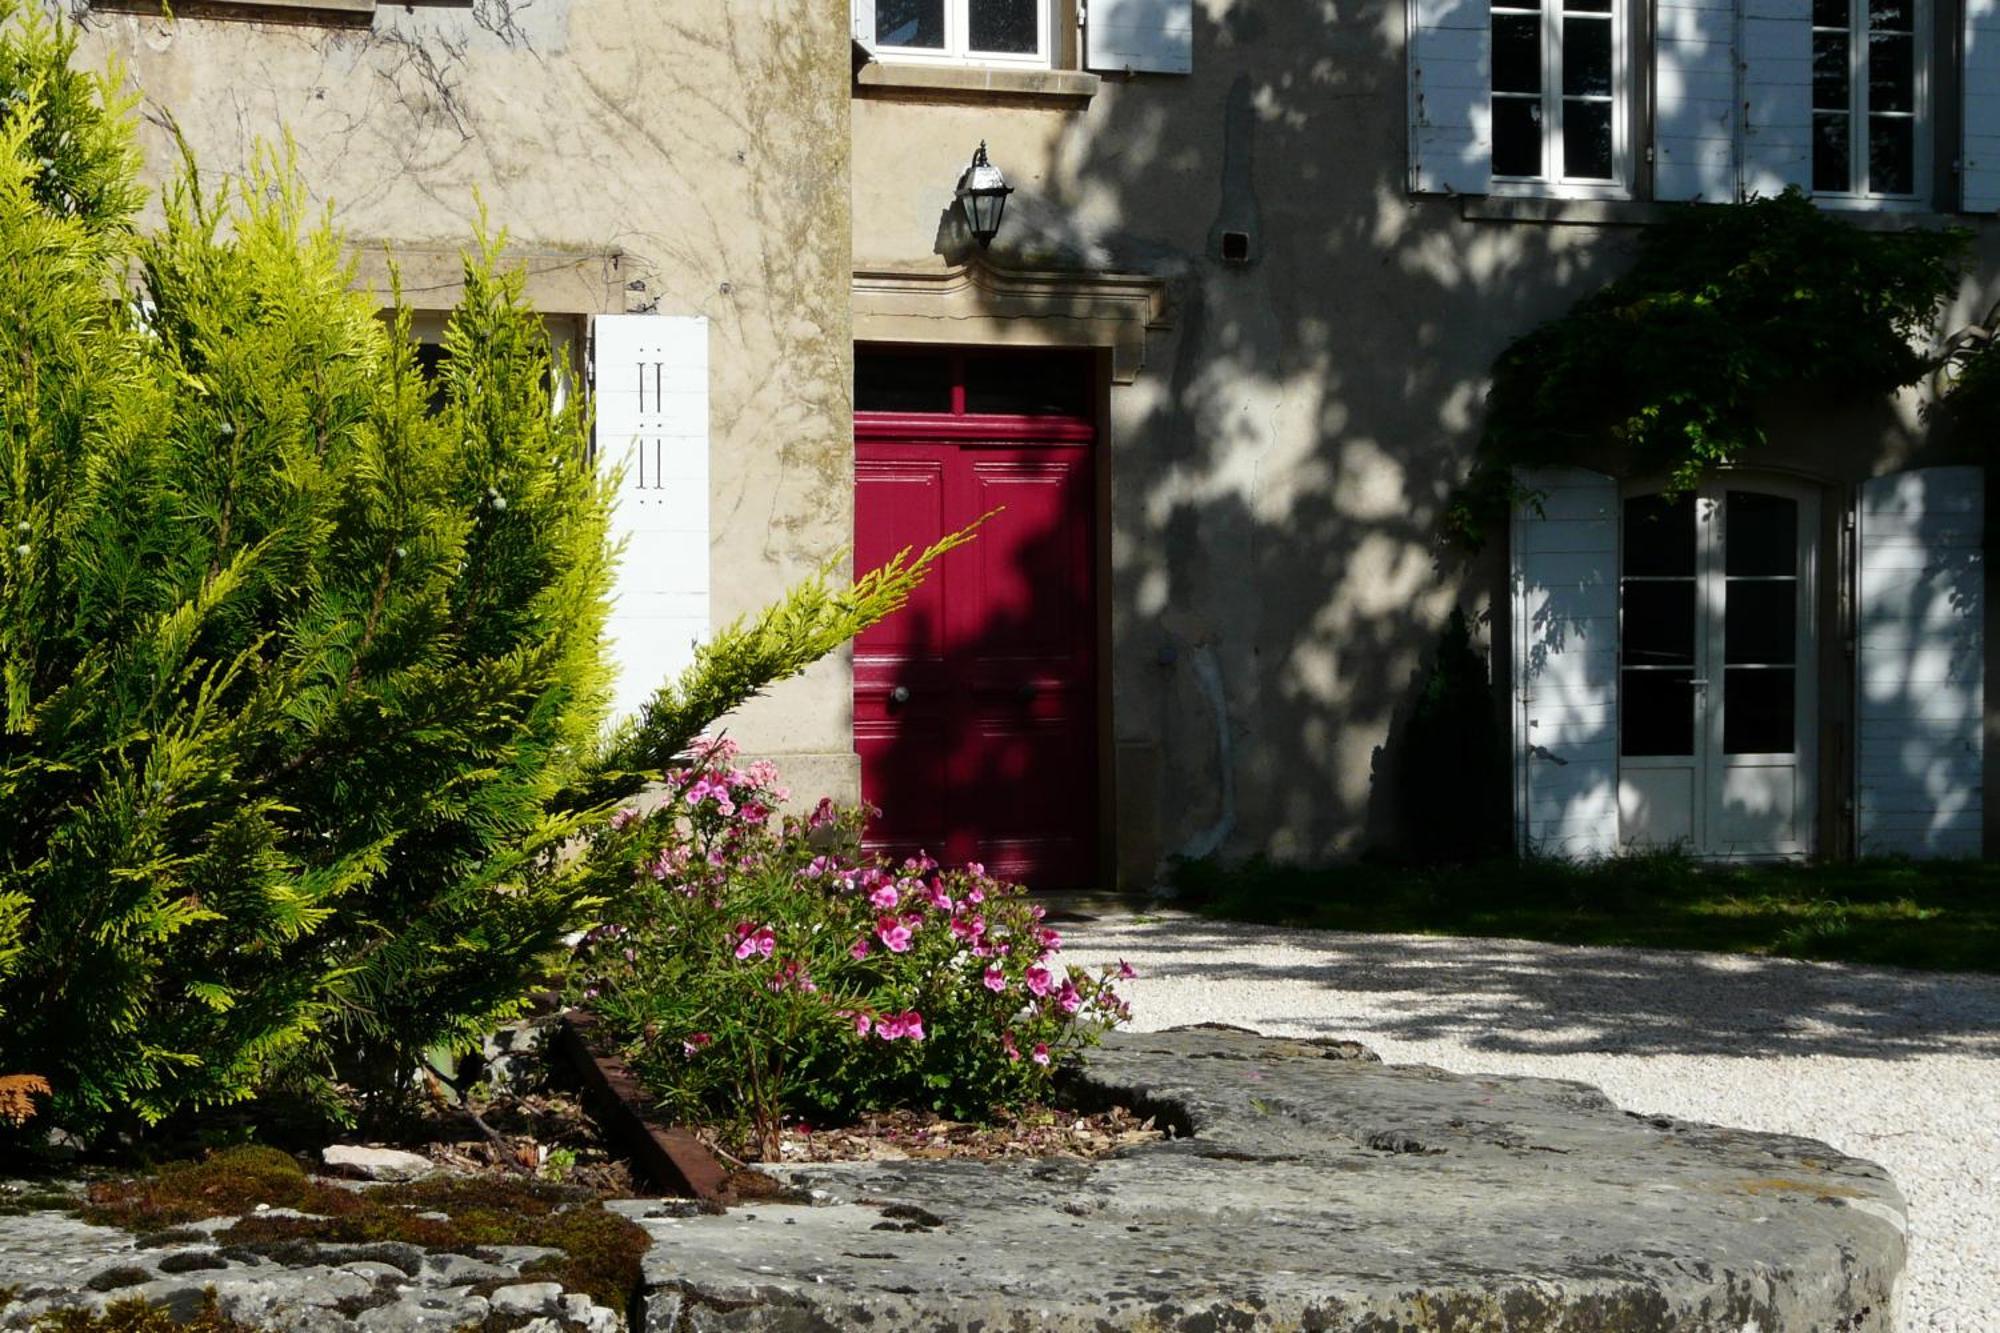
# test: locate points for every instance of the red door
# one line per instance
(975, 707)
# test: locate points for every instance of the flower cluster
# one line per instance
(768, 966)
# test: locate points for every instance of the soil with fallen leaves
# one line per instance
(1038, 1131)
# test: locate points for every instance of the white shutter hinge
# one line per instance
(1649, 153)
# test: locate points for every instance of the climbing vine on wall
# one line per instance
(1670, 363)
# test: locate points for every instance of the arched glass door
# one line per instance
(1717, 698)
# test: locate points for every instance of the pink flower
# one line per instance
(895, 936)
(975, 895)
(693, 1044)
(884, 899)
(1125, 972)
(859, 949)
(908, 1024)
(1041, 1054)
(752, 939)
(1007, 1044)
(968, 928)
(1069, 998)
(1038, 981)
(862, 1023)
(994, 980)
(976, 870)
(1050, 940)
(622, 818)
(822, 814)
(938, 897)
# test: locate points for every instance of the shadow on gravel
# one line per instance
(1512, 996)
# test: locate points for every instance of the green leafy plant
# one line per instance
(302, 687)
(754, 968)
(1669, 365)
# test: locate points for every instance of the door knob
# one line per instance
(899, 695)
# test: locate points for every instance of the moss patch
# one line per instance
(600, 1251)
(138, 1316)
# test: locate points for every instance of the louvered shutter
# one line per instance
(1777, 95)
(1139, 36)
(651, 398)
(1980, 183)
(1450, 97)
(1694, 126)
(1922, 663)
(1564, 576)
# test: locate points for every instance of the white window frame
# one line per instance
(957, 34)
(1922, 115)
(1622, 94)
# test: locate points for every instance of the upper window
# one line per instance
(1559, 91)
(967, 32)
(1869, 139)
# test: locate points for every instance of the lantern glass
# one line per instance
(982, 194)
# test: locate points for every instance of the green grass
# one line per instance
(1941, 916)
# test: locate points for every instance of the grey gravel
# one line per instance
(1899, 1067)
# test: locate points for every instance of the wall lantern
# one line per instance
(982, 193)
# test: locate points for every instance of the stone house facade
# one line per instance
(1218, 373)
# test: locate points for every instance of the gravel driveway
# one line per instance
(1899, 1067)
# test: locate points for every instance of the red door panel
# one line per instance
(975, 710)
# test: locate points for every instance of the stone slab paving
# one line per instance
(1315, 1192)
(1899, 1067)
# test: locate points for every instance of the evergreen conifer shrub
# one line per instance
(301, 682)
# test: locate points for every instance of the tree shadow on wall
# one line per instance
(1278, 473)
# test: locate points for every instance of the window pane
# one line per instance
(1892, 154)
(1757, 709)
(1659, 624)
(1659, 536)
(1830, 163)
(1586, 57)
(1830, 71)
(1587, 140)
(1517, 53)
(1892, 72)
(1762, 534)
(1829, 13)
(910, 23)
(1893, 14)
(1656, 712)
(1587, 6)
(901, 382)
(1006, 26)
(1758, 623)
(1517, 136)
(1028, 384)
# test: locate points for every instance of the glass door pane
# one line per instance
(1760, 624)
(1657, 635)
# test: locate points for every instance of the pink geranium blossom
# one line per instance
(994, 980)
(693, 1044)
(884, 899)
(1041, 1053)
(859, 949)
(754, 939)
(1069, 997)
(1125, 972)
(1038, 981)
(895, 936)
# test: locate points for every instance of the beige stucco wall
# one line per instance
(1279, 466)
(698, 148)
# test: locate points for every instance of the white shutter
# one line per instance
(651, 398)
(1139, 36)
(1564, 578)
(1694, 122)
(1980, 181)
(1777, 95)
(1922, 663)
(863, 12)
(1451, 97)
